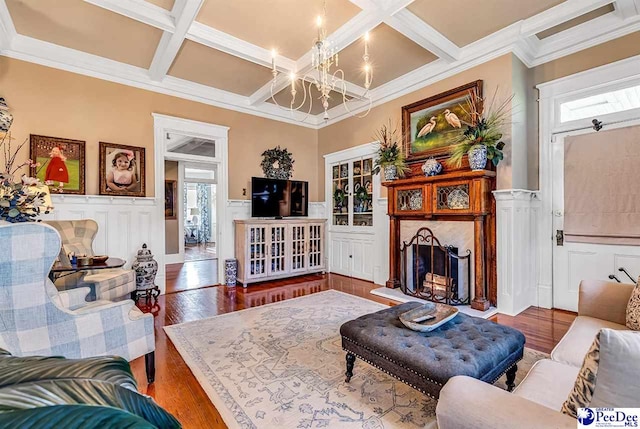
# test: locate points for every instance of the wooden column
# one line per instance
(480, 257)
(394, 246)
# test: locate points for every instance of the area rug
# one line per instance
(281, 365)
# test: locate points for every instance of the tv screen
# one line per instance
(269, 197)
(298, 202)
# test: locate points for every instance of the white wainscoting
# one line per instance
(124, 225)
(517, 213)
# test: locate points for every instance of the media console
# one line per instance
(273, 249)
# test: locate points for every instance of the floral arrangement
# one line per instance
(485, 129)
(389, 153)
(25, 199)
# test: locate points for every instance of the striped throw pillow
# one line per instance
(582, 393)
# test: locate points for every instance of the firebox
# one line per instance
(435, 272)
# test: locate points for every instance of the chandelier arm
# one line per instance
(288, 109)
(346, 102)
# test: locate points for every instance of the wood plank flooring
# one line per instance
(177, 390)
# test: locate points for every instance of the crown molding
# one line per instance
(141, 11)
(595, 32)
(47, 54)
(519, 39)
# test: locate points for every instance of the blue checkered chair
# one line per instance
(37, 319)
(77, 236)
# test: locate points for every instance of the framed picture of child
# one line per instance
(121, 170)
(59, 163)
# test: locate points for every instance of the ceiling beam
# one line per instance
(560, 14)
(423, 34)
(7, 29)
(229, 44)
(141, 11)
(627, 8)
(184, 13)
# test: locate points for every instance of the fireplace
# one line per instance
(435, 272)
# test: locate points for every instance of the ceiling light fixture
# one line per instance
(324, 57)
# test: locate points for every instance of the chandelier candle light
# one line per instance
(324, 57)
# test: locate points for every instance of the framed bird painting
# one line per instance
(430, 127)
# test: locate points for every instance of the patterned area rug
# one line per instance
(282, 365)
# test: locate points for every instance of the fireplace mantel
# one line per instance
(456, 196)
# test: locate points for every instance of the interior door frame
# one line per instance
(606, 78)
(164, 124)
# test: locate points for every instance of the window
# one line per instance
(601, 104)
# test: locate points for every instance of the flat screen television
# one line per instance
(278, 198)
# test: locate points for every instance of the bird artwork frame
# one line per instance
(430, 127)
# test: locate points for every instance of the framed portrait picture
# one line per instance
(431, 126)
(121, 170)
(59, 163)
(170, 199)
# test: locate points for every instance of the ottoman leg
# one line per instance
(351, 360)
(511, 378)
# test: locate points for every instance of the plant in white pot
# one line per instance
(389, 156)
(482, 139)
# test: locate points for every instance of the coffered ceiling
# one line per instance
(219, 51)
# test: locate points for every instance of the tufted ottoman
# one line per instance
(427, 360)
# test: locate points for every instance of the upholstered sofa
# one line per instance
(537, 401)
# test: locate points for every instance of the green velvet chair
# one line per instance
(54, 392)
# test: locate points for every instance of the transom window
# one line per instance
(601, 104)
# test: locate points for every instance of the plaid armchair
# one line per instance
(37, 319)
(77, 236)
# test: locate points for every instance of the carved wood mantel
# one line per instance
(456, 196)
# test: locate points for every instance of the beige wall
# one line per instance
(56, 103)
(171, 230)
(355, 131)
(615, 50)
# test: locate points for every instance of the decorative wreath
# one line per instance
(277, 163)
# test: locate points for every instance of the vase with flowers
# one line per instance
(389, 156)
(22, 198)
(482, 139)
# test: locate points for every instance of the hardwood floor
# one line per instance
(177, 390)
(191, 275)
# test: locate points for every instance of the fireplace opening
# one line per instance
(435, 272)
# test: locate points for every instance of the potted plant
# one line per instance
(24, 198)
(389, 156)
(482, 139)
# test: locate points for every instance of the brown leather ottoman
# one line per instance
(465, 345)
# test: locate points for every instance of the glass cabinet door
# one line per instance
(352, 184)
(340, 179)
(362, 201)
(257, 251)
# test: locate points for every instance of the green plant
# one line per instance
(484, 130)
(389, 152)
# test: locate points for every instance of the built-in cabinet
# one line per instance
(271, 249)
(351, 190)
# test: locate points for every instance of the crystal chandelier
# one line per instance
(324, 75)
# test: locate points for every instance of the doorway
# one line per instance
(199, 213)
(589, 222)
(595, 218)
(193, 200)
